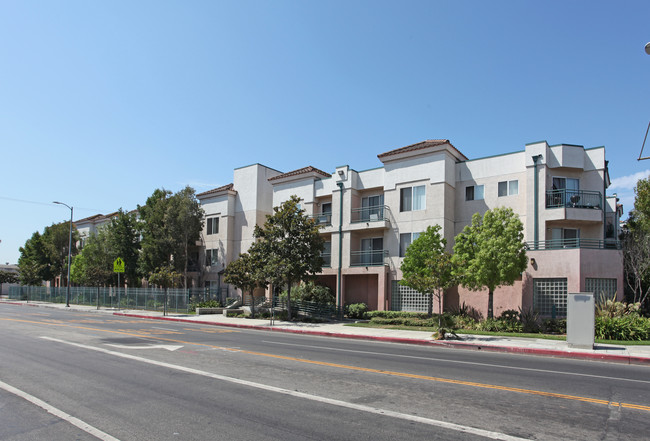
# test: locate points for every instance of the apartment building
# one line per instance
(368, 219)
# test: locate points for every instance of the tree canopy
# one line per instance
(247, 273)
(290, 245)
(170, 224)
(427, 267)
(490, 252)
(636, 244)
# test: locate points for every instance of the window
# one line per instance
(327, 254)
(549, 296)
(372, 208)
(508, 188)
(213, 225)
(405, 239)
(211, 258)
(326, 208)
(404, 298)
(603, 289)
(412, 198)
(474, 192)
(565, 238)
(372, 251)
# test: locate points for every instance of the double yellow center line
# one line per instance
(361, 369)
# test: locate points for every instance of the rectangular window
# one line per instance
(565, 238)
(326, 208)
(412, 198)
(372, 251)
(508, 188)
(372, 208)
(603, 289)
(405, 239)
(213, 225)
(327, 254)
(549, 297)
(211, 258)
(474, 192)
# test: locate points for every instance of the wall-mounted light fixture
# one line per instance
(533, 262)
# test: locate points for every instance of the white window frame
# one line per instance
(212, 224)
(417, 198)
(476, 191)
(511, 188)
(405, 241)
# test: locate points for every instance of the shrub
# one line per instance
(553, 326)
(628, 327)
(310, 292)
(357, 310)
(530, 321)
(465, 310)
(206, 304)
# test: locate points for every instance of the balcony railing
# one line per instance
(322, 219)
(573, 199)
(368, 258)
(369, 214)
(327, 260)
(557, 244)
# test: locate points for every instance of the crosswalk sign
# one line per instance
(118, 265)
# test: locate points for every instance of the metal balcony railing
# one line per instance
(369, 214)
(573, 199)
(557, 244)
(322, 219)
(368, 258)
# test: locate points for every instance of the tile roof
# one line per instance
(419, 146)
(230, 186)
(94, 217)
(301, 171)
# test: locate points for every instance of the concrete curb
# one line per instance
(624, 359)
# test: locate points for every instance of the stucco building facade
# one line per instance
(368, 219)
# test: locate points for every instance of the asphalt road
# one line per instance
(109, 377)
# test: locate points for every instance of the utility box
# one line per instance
(580, 320)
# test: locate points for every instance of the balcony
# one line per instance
(573, 199)
(368, 258)
(324, 219)
(369, 214)
(558, 244)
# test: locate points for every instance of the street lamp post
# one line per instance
(67, 292)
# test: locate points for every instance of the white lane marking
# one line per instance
(374, 410)
(59, 413)
(168, 347)
(164, 329)
(475, 363)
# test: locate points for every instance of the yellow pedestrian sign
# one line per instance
(118, 265)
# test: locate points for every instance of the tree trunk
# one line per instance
(430, 306)
(491, 303)
(440, 308)
(253, 303)
(289, 300)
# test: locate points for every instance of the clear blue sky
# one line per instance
(103, 102)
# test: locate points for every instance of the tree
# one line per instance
(165, 277)
(247, 273)
(56, 241)
(7, 277)
(490, 252)
(124, 242)
(94, 265)
(170, 224)
(427, 267)
(636, 244)
(34, 262)
(290, 246)
(185, 217)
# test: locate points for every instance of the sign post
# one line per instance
(118, 267)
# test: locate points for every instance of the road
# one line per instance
(69, 375)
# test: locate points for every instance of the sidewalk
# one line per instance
(604, 352)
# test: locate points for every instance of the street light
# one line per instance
(67, 292)
(647, 48)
